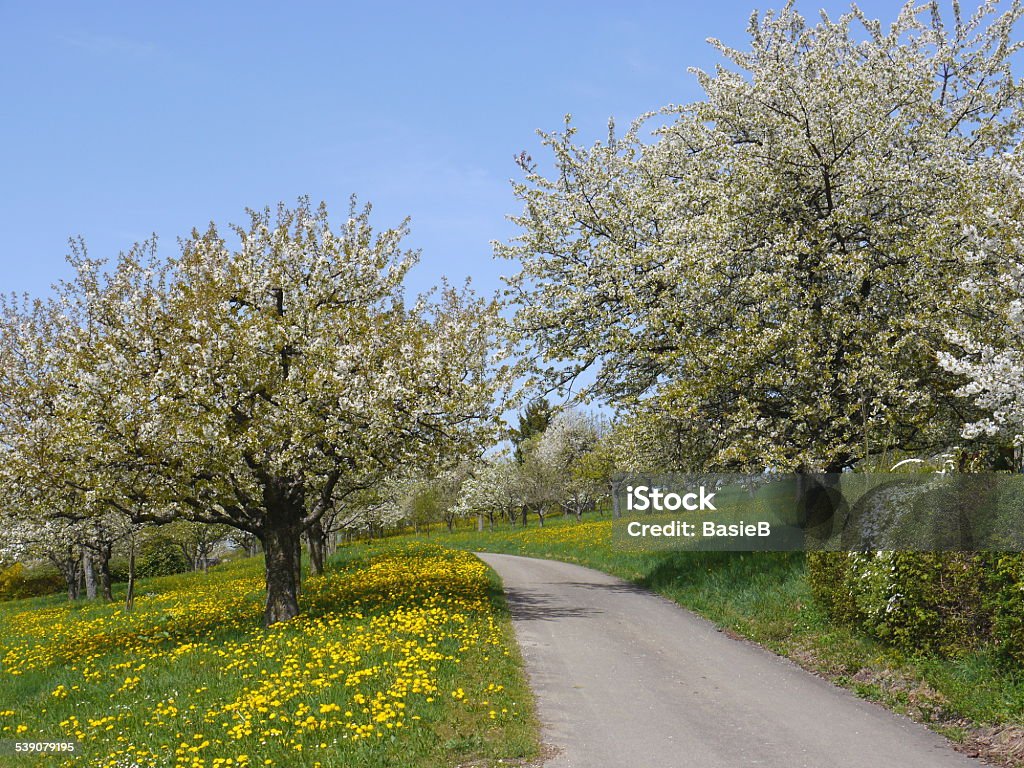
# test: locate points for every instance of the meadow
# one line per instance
(403, 656)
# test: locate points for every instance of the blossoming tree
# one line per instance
(249, 386)
(779, 267)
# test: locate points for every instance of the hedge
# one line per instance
(943, 604)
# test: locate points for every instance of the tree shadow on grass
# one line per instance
(696, 569)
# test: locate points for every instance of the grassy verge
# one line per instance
(975, 700)
(403, 657)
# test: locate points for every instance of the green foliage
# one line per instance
(17, 581)
(1004, 603)
(945, 604)
(533, 421)
(424, 505)
(830, 585)
(157, 556)
(934, 604)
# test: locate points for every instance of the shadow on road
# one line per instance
(531, 606)
(631, 589)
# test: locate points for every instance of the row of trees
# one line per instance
(555, 461)
(256, 386)
(816, 264)
(82, 550)
(558, 459)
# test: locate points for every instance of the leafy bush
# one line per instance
(829, 576)
(941, 604)
(157, 556)
(17, 581)
(1004, 602)
(936, 604)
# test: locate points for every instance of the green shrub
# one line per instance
(1004, 603)
(828, 574)
(17, 581)
(157, 556)
(942, 604)
(936, 603)
(11, 579)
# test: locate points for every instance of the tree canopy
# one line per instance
(250, 386)
(778, 269)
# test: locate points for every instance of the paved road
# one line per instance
(627, 679)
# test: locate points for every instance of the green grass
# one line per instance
(765, 597)
(403, 656)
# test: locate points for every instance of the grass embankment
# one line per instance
(765, 597)
(403, 657)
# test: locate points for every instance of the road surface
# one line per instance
(627, 679)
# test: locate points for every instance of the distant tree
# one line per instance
(562, 448)
(493, 490)
(539, 483)
(605, 465)
(196, 541)
(532, 422)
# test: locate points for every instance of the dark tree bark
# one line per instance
(316, 537)
(282, 542)
(129, 600)
(89, 574)
(70, 568)
(103, 552)
(72, 586)
(614, 486)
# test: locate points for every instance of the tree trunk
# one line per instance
(479, 521)
(129, 599)
(281, 539)
(317, 540)
(89, 574)
(105, 579)
(297, 563)
(69, 569)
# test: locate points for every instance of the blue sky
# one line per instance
(123, 119)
